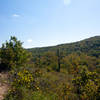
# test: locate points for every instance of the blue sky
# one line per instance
(49, 22)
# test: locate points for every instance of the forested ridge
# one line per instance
(63, 72)
(90, 46)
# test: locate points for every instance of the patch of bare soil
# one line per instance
(3, 85)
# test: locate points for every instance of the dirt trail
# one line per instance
(3, 85)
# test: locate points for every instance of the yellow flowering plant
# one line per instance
(23, 78)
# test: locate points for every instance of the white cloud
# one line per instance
(29, 40)
(67, 2)
(16, 15)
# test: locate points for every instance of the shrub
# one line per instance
(23, 78)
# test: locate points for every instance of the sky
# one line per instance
(40, 23)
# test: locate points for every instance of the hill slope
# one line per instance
(90, 46)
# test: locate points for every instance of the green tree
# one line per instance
(12, 54)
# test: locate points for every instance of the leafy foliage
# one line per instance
(87, 85)
(12, 54)
(72, 73)
(23, 78)
(89, 46)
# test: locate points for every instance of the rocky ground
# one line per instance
(3, 85)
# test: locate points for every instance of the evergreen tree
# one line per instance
(12, 54)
